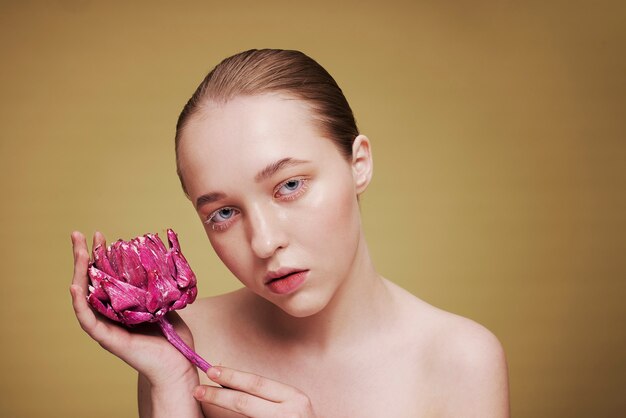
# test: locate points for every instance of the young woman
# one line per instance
(269, 154)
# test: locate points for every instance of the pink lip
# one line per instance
(285, 280)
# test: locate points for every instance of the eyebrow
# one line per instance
(209, 198)
(274, 167)
(264, 174)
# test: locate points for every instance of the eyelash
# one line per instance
(304, 185)
(220, 226)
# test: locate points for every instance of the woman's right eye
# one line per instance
(221, 218)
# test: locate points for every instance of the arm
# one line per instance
(168, 401)
(490, 375)
(479, 376)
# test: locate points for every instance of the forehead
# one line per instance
(241, 136)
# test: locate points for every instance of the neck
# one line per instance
(361, 304)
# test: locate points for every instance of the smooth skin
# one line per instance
(347, 342)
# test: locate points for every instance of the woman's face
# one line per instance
(277, 200)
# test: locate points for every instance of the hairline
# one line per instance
(201, 111)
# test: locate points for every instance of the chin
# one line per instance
(302, 306)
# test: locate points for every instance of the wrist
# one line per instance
(174, 397)
(179, 378)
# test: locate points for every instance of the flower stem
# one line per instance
(176, 341)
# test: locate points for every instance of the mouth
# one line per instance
(285, 280)
(281, 273)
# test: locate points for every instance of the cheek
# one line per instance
(348, 220)
(229, 250)
(336, 218)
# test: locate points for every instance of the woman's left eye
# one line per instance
(291, 188)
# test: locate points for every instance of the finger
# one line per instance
(253, 384)
(108, 335)
(98, 239)
(236, 401)
(101, 329)
(85, 315)
(81, 259)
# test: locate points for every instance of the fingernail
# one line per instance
(199, 392)
(214, 373)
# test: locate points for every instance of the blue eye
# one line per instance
(291, 185)
(291, 188)
(222, 215)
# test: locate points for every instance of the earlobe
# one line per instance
(362, 163)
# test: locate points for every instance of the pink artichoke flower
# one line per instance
(140, 281)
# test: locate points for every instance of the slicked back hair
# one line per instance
(292, 73)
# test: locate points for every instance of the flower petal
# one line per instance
(96, 277)
(172, 239)
(184, 275)
(101, 260)
(123, 295)
(181, 302)
(169, 293)
(104, 310)
(157, 243)
(147, 256)
(158, 250)
(114, 255)
(193, 292)
(134, 317)
(131, 268)
(154, 299)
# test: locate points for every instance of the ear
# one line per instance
(362, 163)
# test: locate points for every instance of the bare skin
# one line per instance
(345, 342)
(419, 362)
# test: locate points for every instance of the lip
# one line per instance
(281, 272)
(285, 280)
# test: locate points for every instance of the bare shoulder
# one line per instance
(461, 357)
(213, 323)
(470, 363)
(464, 344)
(209, 309)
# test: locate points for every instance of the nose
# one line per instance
(266, 229)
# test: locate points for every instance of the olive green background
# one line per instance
(499, 136)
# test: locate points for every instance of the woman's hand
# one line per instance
(145, 349)
(253, 396)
